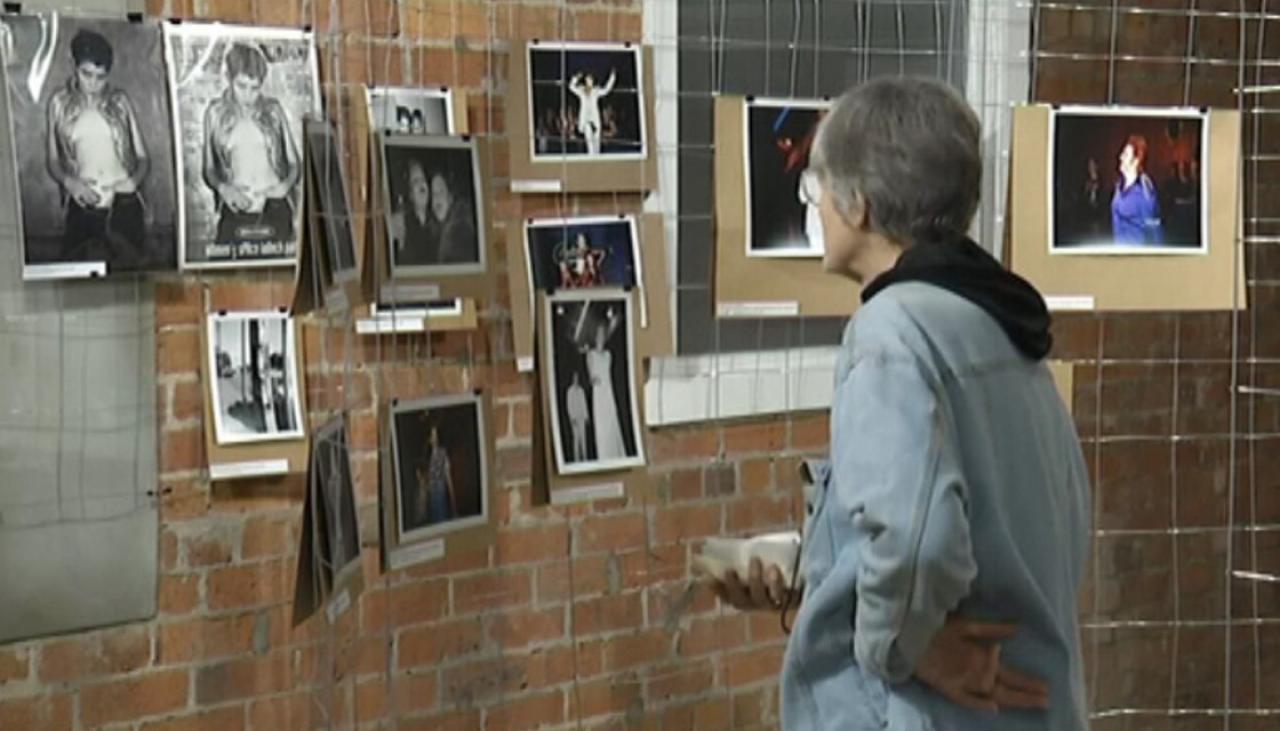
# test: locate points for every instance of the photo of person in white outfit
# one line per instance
(579, 418)
(589, 96)
(586, 101)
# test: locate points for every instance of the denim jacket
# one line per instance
(956, 485)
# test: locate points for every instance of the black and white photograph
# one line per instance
(782, 215)
(338, 254)
(595, 418)
(441, 468)
(239, 97)
(90, 128)
(434, 209)
(1126, 180)
(253, 362)
(586, 102)
(339, 525)
(411, 111)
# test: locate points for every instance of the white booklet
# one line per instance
(719, 555)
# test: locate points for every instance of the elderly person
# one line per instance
(946, 539)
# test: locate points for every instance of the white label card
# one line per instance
(535, 186)
(758, 309)
(241, 470)
(77, 270)
(417, 553)
(1060, 303)
(587, 493)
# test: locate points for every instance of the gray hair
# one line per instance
(910, 148)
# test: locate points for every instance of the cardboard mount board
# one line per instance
(547, 481)
(562, 176)
(377, 282)
(753, 286)
(259, 459)
(310, 290)
(395, 555)
(655, 340)
(1064, 378)
(1115, 282)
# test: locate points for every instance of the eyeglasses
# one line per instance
(810, 187)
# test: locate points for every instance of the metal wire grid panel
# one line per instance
(1175, 409)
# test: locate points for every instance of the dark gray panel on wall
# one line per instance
(803, 48)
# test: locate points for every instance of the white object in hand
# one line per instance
(720, 555)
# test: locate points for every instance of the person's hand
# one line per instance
(764, 588)
(236, 198)
(963, 664)
(82, 192)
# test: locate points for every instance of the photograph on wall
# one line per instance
(1127, 181)
(781, 218)
(338, 255)
(90, 128)
(410, 111)
(589, 251)
(239, 96)
(434, 206)
(594, 414)
(441, 469)
(586, 102)
(331, 483)
(253, 362)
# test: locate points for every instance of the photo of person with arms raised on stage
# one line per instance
(586, 101)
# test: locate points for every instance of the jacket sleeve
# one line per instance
(898, 475)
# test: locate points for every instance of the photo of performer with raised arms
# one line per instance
(594, 414)
(89, 119)
(586, 102)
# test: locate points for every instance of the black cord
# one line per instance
(792, 599)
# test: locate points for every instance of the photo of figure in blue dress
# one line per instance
(439, 465)
(1127, 182)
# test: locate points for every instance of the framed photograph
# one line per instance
(253, 361)
(1127, 180)
(338, 254)
(591, 381)
(586, 102)
(438, 447)
(776, 140)
(411, 111)
(335, 495)
(434, 207)
(93, 151)
(239, 96)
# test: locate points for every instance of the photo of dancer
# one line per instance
(253, 367)
(1127, 181)
(587, 251)
(594, 412)
(240, 96)
(406, 110)
(89, 119)
(331, 472)
(433, 219)
(440, 465)
(782, 220)
(586, 101)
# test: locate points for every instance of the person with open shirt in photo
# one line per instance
(946, 539)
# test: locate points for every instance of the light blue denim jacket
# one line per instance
(956, 484)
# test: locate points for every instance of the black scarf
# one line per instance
(966, 269)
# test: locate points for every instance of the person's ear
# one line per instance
(859, 213)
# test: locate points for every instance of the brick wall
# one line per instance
(583, 616)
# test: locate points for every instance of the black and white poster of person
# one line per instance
(331, 471)
(1126, 180)
(339, 262)
(595, 420)
(433, 217)
(407, 110)
(91, 135)
(239, 97)
(586, 102)
(252, 356)
(440, 466)
(782, 218)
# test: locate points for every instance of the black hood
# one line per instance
(966, 269)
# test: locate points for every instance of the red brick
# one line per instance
(224, 719)
(184, 500)
(766, 437)
(453, 720)
(630, 651)
(489, 591)
(522, 419)
(811, 433)
(759, 514)
(280, 13)
(756, 476)
(608, 614)
(205, 549)
(187, 402)
(209, 638)
(114, 651)
(686, 522)
(533, 711)
(179, 594)
(178, 302)
(46, 713)
(610, 533)
(430, 645)
(136, 697)
(266, 538)
(679, 680)
(178, 350)
(682, 445)
(294, 711)
(564, 580)
(242, 679)
(181, 450)
(520, 628)
(685, 485)
(606, 696)
(713, 634)
(750, 666)
(406, 604)
(249, 586)
(531, 545)
(14, 665)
